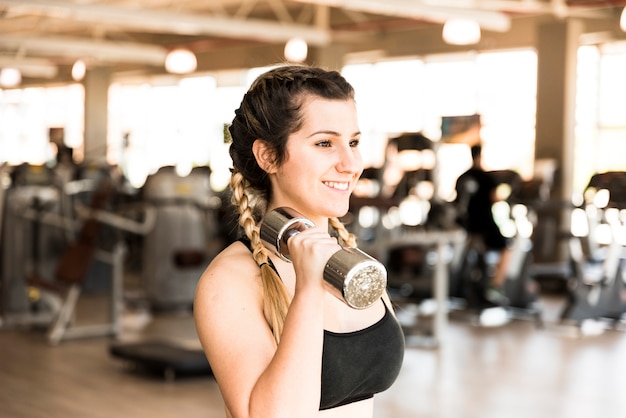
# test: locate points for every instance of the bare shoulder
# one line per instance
(231, 272)
(229, 299)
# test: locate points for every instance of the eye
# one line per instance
(325, 143)
(355, 142)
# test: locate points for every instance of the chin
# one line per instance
(338, 211)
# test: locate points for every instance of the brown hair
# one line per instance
(271, 110)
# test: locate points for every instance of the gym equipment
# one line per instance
(471, 280)
(419, 264)
(59, 287)
(352, 275)
(72, 271)
(597, 288)
(175, 253)
(163, 357)
(30, 244)
(472, 275)
(177, 250)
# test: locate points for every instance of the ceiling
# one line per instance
(43, 38)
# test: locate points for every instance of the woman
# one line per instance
(279, 344)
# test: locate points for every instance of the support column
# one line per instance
(97, 81)
(557, 48)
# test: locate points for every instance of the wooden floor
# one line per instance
(518, 370)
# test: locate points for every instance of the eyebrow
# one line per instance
(357, 133)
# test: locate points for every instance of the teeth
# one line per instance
(337, 185)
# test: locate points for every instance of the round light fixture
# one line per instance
(296, 50)
(622, 20)
(10, 77)
(79, 69)
(180, 61)
(461, 32)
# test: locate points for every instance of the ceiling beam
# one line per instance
(30, 67)
(487, 19)
(96, 50)
(514, 6)
(155, 21)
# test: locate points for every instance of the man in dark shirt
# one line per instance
(476, 194)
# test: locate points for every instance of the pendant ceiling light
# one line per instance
(622, 21)
(461, 32)
(181, 61)
(79, 69)
(10, 77)
(296, 50)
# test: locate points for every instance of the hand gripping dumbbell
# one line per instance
(354, 277)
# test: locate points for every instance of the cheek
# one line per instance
(359, 162)
(294, 173)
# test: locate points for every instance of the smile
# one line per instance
(343, 186)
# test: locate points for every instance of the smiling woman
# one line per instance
(279, 343)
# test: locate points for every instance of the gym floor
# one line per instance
(518, 370)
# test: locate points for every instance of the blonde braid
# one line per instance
(275, 297)
(349, 240)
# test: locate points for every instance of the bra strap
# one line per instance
(246, 241)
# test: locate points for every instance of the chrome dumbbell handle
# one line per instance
(280, 225)
(353, 276)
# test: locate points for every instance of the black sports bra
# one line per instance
(356, 365)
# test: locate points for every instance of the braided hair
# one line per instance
(271, 110)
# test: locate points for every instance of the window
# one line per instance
(27, 116)
(600, 117)
(413, 95)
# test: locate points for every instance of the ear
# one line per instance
(264, 155)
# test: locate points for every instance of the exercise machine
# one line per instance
(184, 238)
(59, 287)
(175, 252)
(30, 244)
(597, 249)
(472, 275)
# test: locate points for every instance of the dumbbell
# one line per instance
(352, 275)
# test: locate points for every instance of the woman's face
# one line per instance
(323, 161)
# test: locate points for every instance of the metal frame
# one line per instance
(63, 327)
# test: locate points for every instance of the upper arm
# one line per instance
(231, 326)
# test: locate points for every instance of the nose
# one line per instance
(349, 160)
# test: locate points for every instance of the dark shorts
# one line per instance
(494, 239)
